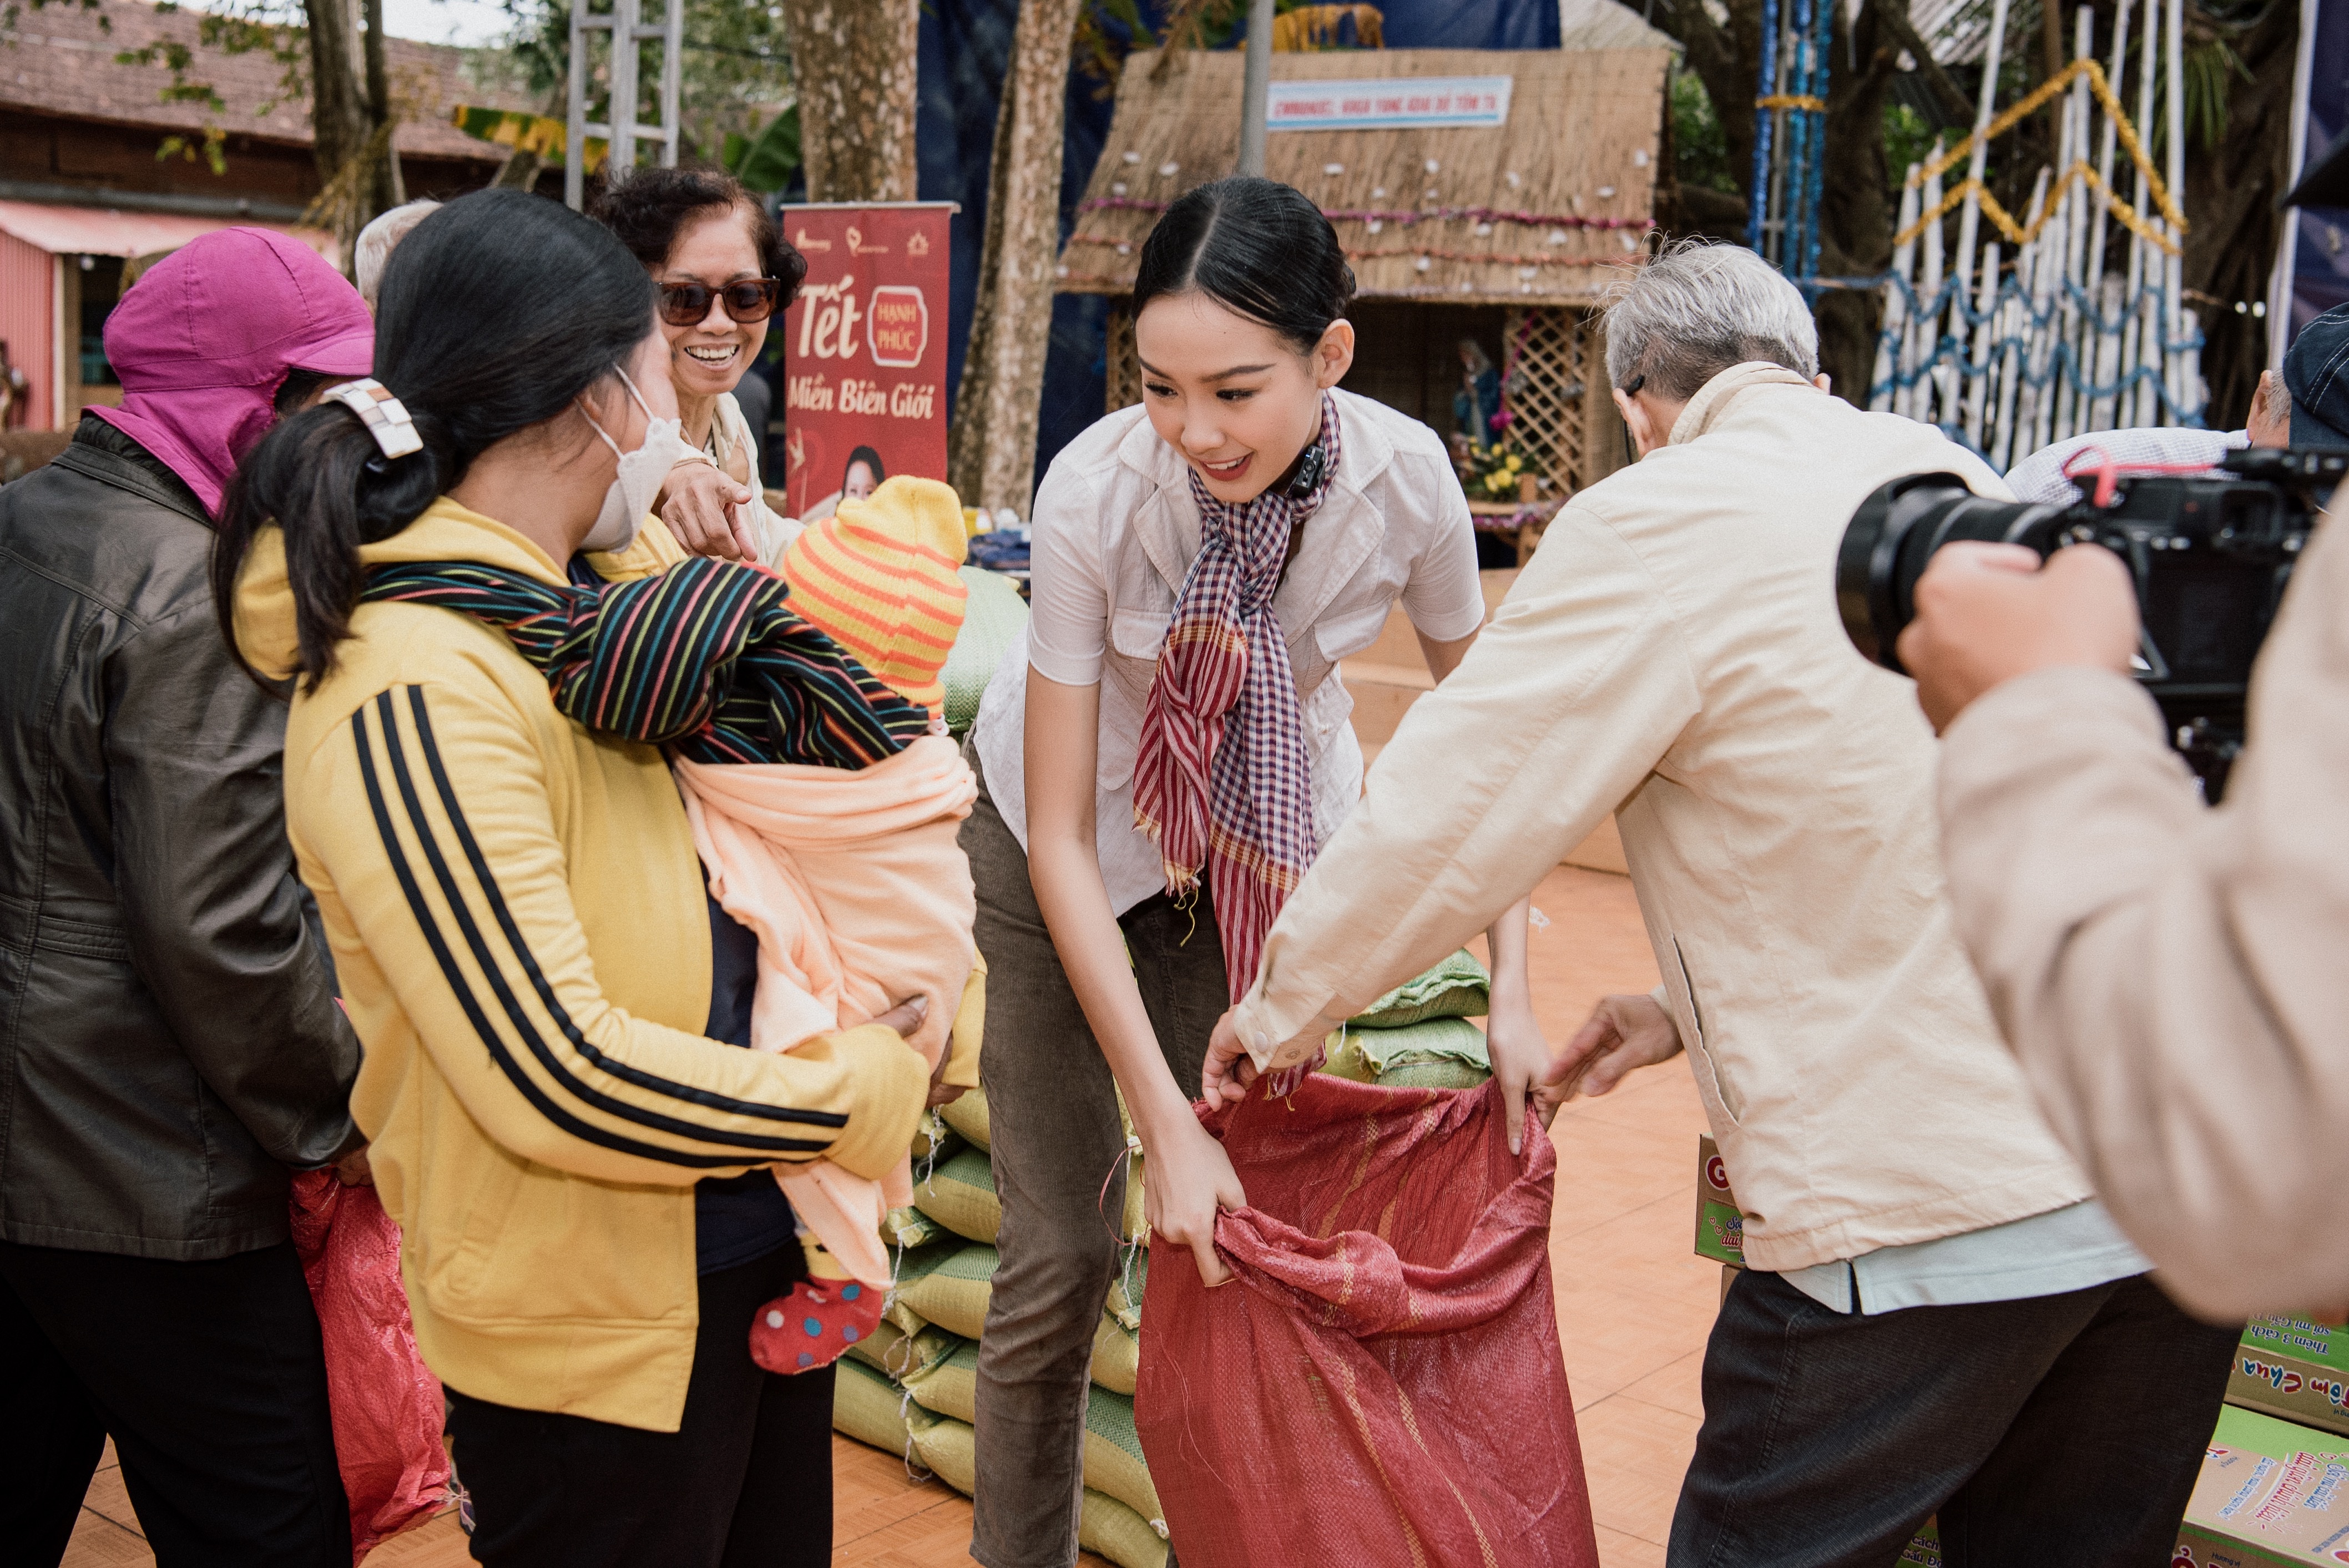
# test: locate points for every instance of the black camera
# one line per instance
(2210, 554)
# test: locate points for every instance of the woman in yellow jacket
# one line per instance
(548, 998)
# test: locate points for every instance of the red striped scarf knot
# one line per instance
(1223, 779)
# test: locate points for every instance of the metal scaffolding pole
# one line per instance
(629, 32)
(1256, 76)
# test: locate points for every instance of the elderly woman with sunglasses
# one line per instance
(722, 270)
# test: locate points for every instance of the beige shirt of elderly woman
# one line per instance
(1115, 533)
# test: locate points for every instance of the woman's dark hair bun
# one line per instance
(1258, 248)
(496, 313)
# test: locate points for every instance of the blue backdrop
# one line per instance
(966, 51)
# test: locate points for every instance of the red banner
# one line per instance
(865, 350)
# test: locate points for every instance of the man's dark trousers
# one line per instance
(2055, 1430)
(211, 1378)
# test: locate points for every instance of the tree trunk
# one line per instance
(853, 65)
(358, 175)
(391, 189)
(339, 119)
(992, 449)
(1856, 209)
(2229, 200)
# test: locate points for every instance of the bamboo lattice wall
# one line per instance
(1543, 389)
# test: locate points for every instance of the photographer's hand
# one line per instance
(1988, 613)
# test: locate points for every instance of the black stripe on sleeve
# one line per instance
(462, 990)
(624, 1071)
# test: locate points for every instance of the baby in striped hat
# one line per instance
(852, 879)
(879, 577)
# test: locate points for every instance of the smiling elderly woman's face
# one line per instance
(712, 249)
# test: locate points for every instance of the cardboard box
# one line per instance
(2270, 1493)
(2295, 1368)
(1720, 1226)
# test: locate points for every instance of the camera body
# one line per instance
(2210, 555)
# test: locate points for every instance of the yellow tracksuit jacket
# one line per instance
(519, 923)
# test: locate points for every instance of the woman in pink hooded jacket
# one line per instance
(170, 1046)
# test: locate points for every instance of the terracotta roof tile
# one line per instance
(60, 62)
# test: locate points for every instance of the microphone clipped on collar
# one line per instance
(1309, 473)
(386, 416)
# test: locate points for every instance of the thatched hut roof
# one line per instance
(1537, 210)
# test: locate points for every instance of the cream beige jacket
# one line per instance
(1673, 654)
(2173, 976)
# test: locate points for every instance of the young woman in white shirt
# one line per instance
(1160, 766)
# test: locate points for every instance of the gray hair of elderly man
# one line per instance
(374, 245)
(1699, 308)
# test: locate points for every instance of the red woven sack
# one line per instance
(384, 1402)
(1381, 1383)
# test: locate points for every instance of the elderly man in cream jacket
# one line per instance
(1936, 1317)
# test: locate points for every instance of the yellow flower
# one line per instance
(1515, 463)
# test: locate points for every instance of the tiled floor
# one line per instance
(1633, 1305)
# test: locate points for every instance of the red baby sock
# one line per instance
(814, 1325)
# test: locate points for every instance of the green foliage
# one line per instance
(205, 144)
(766, 162)
(1106, 32)
(1908, 139)
(15, 10)
(1699, 151)
(273, 27)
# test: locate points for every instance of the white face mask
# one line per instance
(642, 474)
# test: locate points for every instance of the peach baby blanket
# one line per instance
(860, 897)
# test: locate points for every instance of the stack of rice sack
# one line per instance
(1418, 1034)
(911, 1388)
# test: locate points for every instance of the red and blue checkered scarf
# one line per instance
(1224, 780)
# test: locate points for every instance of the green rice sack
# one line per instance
(909, 1227)
(933, 1139)
(912, 1269)
(1456, 988)
(874, 1348)
(1441, 1053)
(897, 1355)
(1110, 1529)
(872, 1410)
(960, 1195)
(949, 1388)
(953, 1292)
(951, 1450)
(1113, 1462)
(992, 614)
(1126, 1287)
(1117, 1356)
(968, 1115)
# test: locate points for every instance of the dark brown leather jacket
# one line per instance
(169, 1043)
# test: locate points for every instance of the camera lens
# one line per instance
(1895, 532)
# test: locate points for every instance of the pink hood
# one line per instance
(202, 342)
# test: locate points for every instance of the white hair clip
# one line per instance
(386, 416)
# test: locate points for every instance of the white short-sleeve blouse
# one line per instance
(1115, 532)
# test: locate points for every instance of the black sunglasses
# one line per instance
(747, 299)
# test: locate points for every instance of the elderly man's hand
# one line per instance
(1228, 1069)
(1988, 613)
(1623, 1035)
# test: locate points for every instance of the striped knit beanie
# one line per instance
(879, 577)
